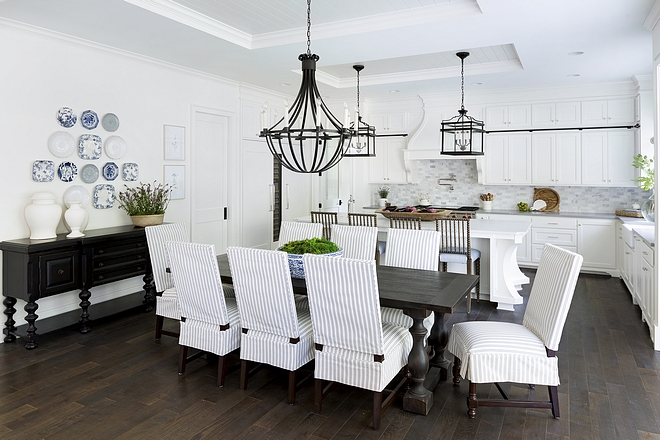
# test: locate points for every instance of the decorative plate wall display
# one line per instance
(43, 171)
(89, 173)
(67, 171)
(76, 193)
(130, 171)
(110, 122)
(90, 146)
(104, 196)
(110, 171)
(115, 147)
(61, 144)
(89, 119)
(66, 117)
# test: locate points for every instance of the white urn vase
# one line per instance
(42, 216)
(75, 218)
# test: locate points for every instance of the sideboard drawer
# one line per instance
(114, 260)
(118, 273)
(121, 248)
(59, 272)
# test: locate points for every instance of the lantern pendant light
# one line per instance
(308, 138)
(462, 135)
(363, 143)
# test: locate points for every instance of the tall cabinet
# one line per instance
(388, 166)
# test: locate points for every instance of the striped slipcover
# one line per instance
(264, 295)
(204, 309)
(292, 231)
(358, 242)
(344, 303)
(505, 352)
(412, 249)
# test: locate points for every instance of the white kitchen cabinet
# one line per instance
(388, 122)
(388, 166)
(508, 159)
(556, 159)
(559, 231)
(608, 112)
(560, 114)
(509, 117)
(607, 158)
(597, 243)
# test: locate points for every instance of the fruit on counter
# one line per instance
(421, 209)
(524, 207)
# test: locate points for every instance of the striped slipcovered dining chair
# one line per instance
(292, 231)
(166, 302)
(209, 321)
(489, 351)
(357, 241)
(275, 331)
(359, 219)
(353, 346)
(411, 249)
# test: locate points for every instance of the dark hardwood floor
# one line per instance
(117, 383)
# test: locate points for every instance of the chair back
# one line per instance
(197, 280)
(405, 223)
(358, 242)
(292, 231)
(412, 249)
(356, 219)
(551, 295)
(264, 294)
(454, 236)
(344, 303)
(327, 219)
(156, 238)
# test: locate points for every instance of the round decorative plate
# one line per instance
(104, 196)
(67, 171)
(115, 147)
(43, 171)
(90, 146)
(89, 119)
(66, 117)
(110, 171)
(61, 144)
(130, 171)
(76, 193)
(110, 122)
(89, 173)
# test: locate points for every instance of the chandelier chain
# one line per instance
(462, 85)
(358, 96)
(309, 27)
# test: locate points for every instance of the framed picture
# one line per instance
(175, 176)
(174, 141)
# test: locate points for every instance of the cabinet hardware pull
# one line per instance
(101, 251)
(550, 236)
(100, 277)
(139, 268)
(101, 264)
(60, 272)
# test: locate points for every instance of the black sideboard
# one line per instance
(34, 269)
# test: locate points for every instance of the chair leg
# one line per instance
(222, 370)
(159, 326)
(292, 387)
(472, 401)
(183, 357)
(456, 371)
(554, 401)
(378, 401)
(318, 395)
(244, 375)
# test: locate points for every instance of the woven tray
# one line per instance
(424, 216)
(549, 196)
(629, 213)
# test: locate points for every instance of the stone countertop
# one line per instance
(600, 215)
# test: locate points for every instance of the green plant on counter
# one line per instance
(645, 164)
(524, 207)
(383, 191)
(310, 246)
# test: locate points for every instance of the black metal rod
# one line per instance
(391, 135)
(530, 130)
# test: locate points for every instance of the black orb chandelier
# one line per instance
(308, 138)
(363, 143)
(462, 135)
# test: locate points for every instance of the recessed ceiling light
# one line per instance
(572, 75)
(476, 84)
(285, 84)
(394, 91)
(575, 54)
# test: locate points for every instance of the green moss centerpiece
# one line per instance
(297, 248)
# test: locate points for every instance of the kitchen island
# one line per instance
(498, 241)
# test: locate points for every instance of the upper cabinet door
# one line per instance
(567, 114)
(497, 117)
(608, 112)
(508, 117)
(520, 116)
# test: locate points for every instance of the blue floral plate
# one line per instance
(67, 171)
(89, 119)
(110, 171)
(43, 171)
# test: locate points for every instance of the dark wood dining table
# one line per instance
(417, 293)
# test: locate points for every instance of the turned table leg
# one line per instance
(10, 328)
(438, 340)
(418, 399)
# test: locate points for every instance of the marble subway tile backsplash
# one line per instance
(466, 190)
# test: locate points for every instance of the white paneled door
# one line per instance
(210, 134)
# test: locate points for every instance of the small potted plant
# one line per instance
(383, 192)
(646, 182)
(145, 204)
(297, 248)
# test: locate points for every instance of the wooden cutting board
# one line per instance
(549, 196)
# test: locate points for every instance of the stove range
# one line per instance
(460, 212)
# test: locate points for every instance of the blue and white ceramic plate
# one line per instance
(104, 196)
(130, 171)
(66, 117)
(89, 173)
(110, 171)
(110, 122)
(89, 119)
(90, 146)
(43, 171)
(67, 171)
(115, 147)
(76, 193)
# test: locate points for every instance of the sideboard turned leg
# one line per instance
(149, 287)
(30, 318)
(84, 296)
(10, 328)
